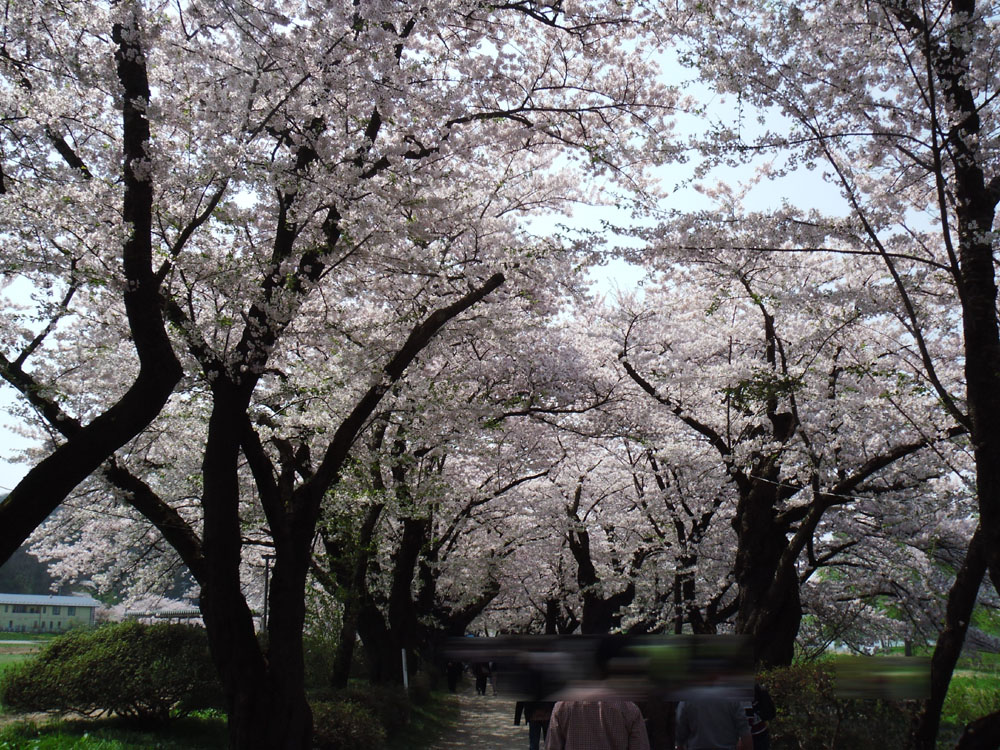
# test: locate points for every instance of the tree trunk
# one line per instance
(44, 487)
(384, 637)
(981, 734)
(350, 569)
(344, 654)
(402, 614)
(975, 208)
(602, 614)
(961, 601)
(265, 695)
(240, 664)
(551, 616)
(774, 628)
(382, 649)
(285, 657)
(770, 618)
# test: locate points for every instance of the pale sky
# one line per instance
(10, 473)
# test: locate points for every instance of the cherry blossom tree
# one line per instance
(452, 496)
(683, 500)
(791, 390)
(326, 190)
(395, 568)
(895, 102)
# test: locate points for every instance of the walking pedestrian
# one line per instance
(758, 713)
(537, 715)
(481, 671)
(596, 725)
(712, 724)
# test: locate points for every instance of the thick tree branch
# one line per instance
(177, 532)
(48, 483)
(419, 337)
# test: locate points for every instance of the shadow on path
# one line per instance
(485, 723)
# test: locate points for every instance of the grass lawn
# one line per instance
(109, 734)
(427, 722)
(971, 694)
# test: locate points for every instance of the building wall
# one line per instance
(46, 618)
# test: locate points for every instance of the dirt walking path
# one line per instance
(485, 723)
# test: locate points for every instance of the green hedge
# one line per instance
(346, 725)
(811, 715)
(387, 704)
(129, 669)
(361, 716)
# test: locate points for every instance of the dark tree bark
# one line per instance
(601, 613)
(973, 210)
(961, 602)
(350, 573)
(86, 447)
(559, 620)
(981, 734)
(265, 690)
(293, 513)
(418, 622)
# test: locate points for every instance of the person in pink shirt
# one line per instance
(596, 725)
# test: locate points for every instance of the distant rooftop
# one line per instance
(49, 601)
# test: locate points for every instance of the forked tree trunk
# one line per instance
(265, 694)
(770, 618)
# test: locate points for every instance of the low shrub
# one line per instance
(129, 669)
(420, 689)
(345, 725)
(319, 650)
(388, 704)
(970, 696)
(810, 714)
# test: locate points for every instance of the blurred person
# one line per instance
(712, 724)
(596, 725)
(660, 716)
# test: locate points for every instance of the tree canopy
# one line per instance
(308, 280)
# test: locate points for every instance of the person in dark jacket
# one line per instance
(758, 714)
(481, 671)
(712, 724)
(537, 715)
(454, 672)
